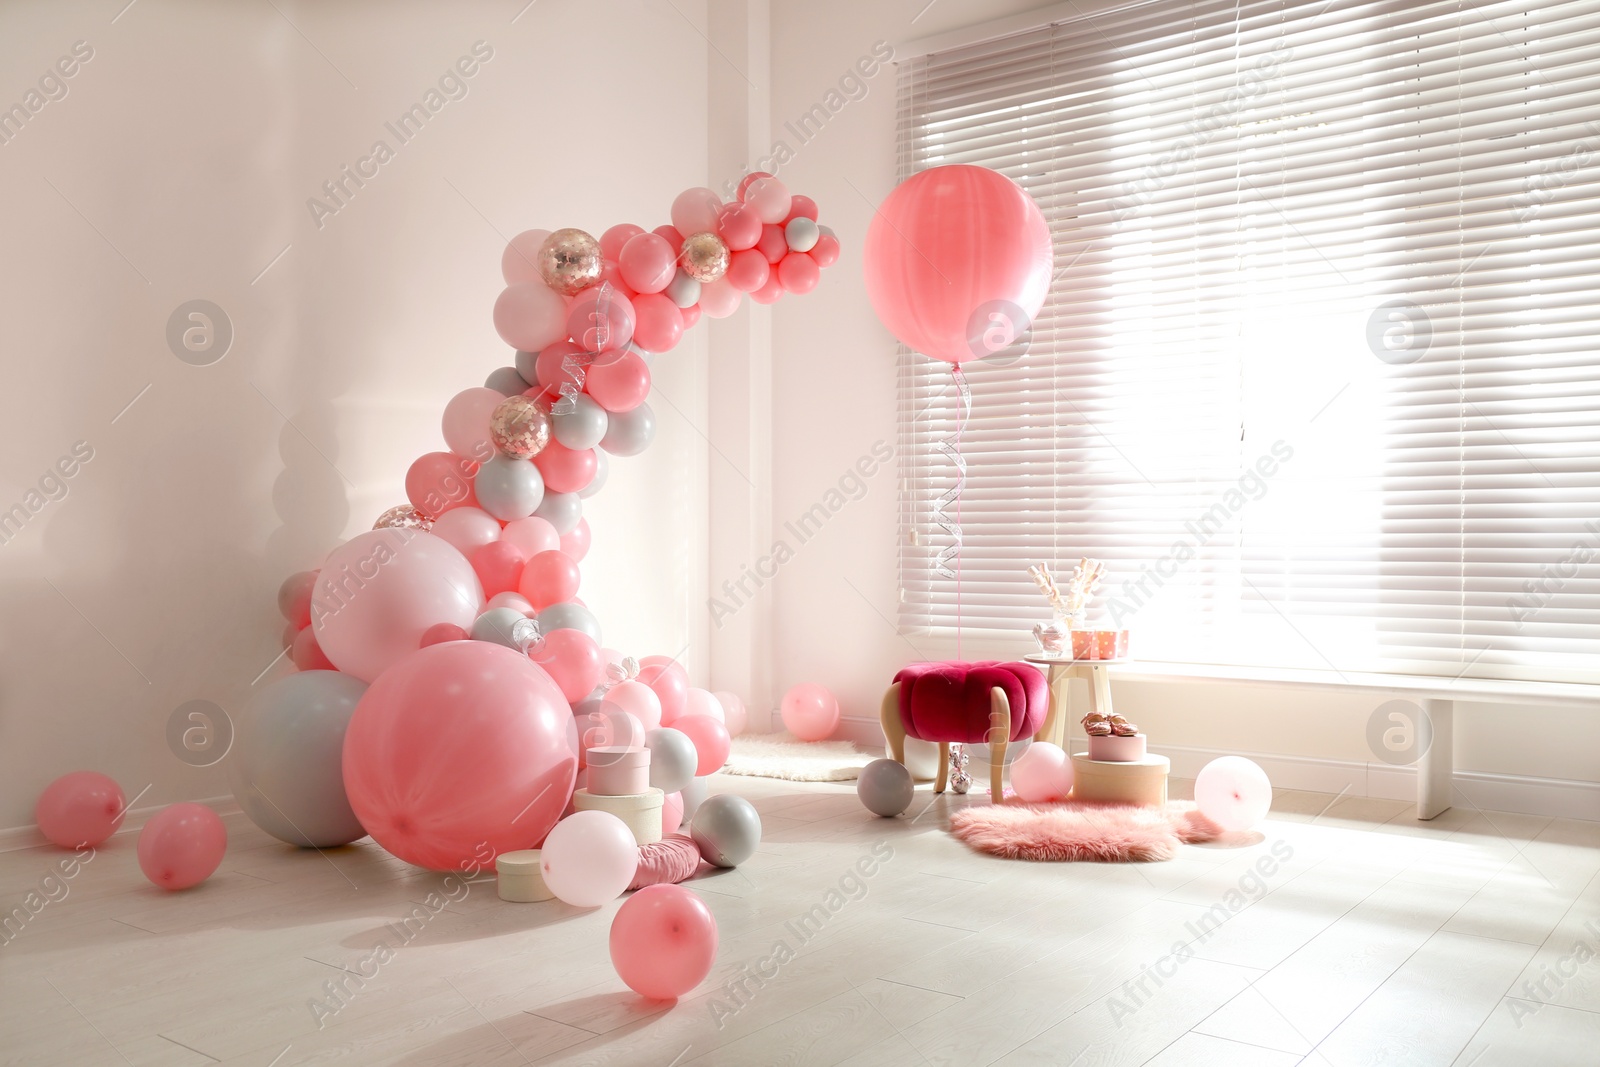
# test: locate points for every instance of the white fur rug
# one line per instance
(782, 755)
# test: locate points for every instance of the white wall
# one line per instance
(834, 604)
(178, 166)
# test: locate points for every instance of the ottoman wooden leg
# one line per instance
(894, 730)
(944, 767)
(999, 735)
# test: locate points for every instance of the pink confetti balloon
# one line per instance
(467, 529)
(663, 942)
(669, 681)
(1042, 773)
(571, 659)
(182, 845)
(1233, 792)
(466, 423)
(520, 261)
(710, 739)
(80, 808)
(695, 211)
(809, 711)
(529, 315)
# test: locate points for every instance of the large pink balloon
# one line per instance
(529, 315)
(809, 711)
(80, 808)
(670, 682)
(571, 659)
(379, 592)
(663, 941)
(180, 846)
(953, 257)
(459, 749)
(710, 739)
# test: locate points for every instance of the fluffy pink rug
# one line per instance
(1073, 831)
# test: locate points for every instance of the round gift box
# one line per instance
(1113, 749)
(1142, 782)
(518, 878)
(641, 812)
(618, 770)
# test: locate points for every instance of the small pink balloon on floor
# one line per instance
(80, 808)
(735, 717)
(710, 739)
(182, 845)
(1042, 773)
(809, 711)
(1233, 792)
(663, 941)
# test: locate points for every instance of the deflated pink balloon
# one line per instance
(620, 384)
(520, 261)
(458, 753)
(670, 682)
(658, 325)
(529, 315)
(468, 529)
(532, 535)
(951, 253)
(549, 578)
(379, 592)
(80, 808)
(647, 263)
(180, 846)
(601, 319)
(663, 942)
(466, 423)
(710, 739)
(809, 711)
(571, 659)
(638, 700)
(575, 542)
(695, 211)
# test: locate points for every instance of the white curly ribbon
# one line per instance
(950, 447)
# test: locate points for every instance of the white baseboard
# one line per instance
(1523, 794)
(20, 837)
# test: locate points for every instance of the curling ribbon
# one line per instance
(950, 448)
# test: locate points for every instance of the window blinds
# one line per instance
(1317, 372)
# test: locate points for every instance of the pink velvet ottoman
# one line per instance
(990, 702)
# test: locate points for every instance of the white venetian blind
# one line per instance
(1317, 376)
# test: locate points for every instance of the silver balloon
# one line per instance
(506, 380)
(630, 432)
(885, 787)
(694, 794)
(527, 366)
(727, 829)
(286, 762)
(569, 616)
(579, 421)
(672, 758)
(602, 469)
(561, 510)
(505, 626)
(683, 290)
(509, 488)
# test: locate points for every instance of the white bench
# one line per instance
(1436, 696)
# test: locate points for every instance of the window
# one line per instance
(1317, 375)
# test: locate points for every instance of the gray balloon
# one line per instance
(885, 787)
(602, 469)
(504, 626)
(683, 290)
(527, 364)
(578, 421)
(673, 758)
(694, 794)
(509, 488)
(506, 380)
(727, 829)
(561, 510)
(569, 616)
(286, 762)
(630, 432)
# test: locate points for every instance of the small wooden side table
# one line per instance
(1058, 671)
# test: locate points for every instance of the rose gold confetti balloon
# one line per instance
(569, 260)
(519, 428)
(404, 517)
(704, 257)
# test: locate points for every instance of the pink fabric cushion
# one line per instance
(950, 701)
(672, 859)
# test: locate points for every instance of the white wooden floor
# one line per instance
(1379, 940)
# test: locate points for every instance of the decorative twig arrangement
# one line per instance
(1080, 590)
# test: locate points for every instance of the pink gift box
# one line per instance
(1115, 749)
(618, 770)
(1099, 644)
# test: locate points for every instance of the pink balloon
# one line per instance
(566, 470)
(1042, 773)
(381, 590)
(549, 578)
(601, 319)
(80, 808)
(621, 384)
(952, 252)
(695, 211)
(614, 240)
(671, 813)
(670, 682)
(611, 274)
(294, 598)
(571, 659)
(658, 327)
(773, 244)
(459, 752)
(467, 529)
(638, 700)
(1233, 792)
(498, 566)
(290, 632)
(771, 292)
(826, 250)
(703, 702)
(520, 261)
(663, 941)
(809, 711)
(442, 632)
(181, 845)
(439, 481)
(736, 719)
(748, 270)
(529, 315)
(647, 262)
(799, 272)
(748, 180)
(560, 363)
(710, 739)
(770, 198)
(739, 226)
(719, 299)
(575, 542)
(532, 535)
(691, 315)
(610, 727)
(466, 423)
(670, 235)
(589, 859)
(801, 207)
(307, 654)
